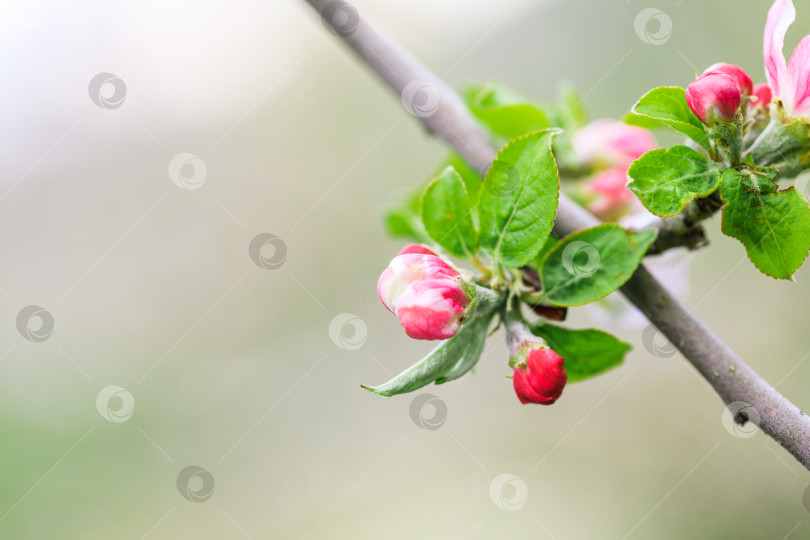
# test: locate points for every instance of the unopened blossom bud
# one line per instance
(430, 297)
(610, 188)
(763, 94)
(433, 308)
(407, 268)
(737, 73)
(714, 97)
(540, 377)
(612, 142)
(609, 147)
(416, 248)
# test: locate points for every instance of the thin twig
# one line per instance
(726, 372)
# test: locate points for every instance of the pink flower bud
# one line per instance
(763, 94)
(611, 192)
(737, 73)
(407, 269)
(429, 296)
(541, 377)
(611, 141)
(714, 97)
(433, 308)
(416, 248)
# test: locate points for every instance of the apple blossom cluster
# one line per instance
(743, 143)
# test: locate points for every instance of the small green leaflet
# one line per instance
(504, 111)
(590, 264)
(450, 360)
(667, 105)
(586, 352)
(573, 114)
(519, 199)
(404, 221)
(665, 180)
(773, 225)
(447, 214)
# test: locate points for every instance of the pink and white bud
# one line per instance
(610, 188)
(430, 297)
(406, 269)
(737, 73)
(433, 308)
(612, 142)
(789, 81)
(714, 97)
(540, 377)
(610, 147)
(416, 248)
(763, 94)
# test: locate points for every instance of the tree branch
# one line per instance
(726, 372)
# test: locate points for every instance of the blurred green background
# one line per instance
(231, 367)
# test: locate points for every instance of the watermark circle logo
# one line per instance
(348, 331)
(35, 323)
(267, 251)
(806, 498)
(502, 178)
(195, 484)
(107, 90)
(508, 492)
(657, 343)
(741, 419)
(187, 171)
(115, 404)
(428, 411)
(580, 259)
(653, 26)
(420, 98)
(340, 18)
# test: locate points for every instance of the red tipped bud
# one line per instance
(737, 73)
(416, 248)
(540, 377)
(714, 97)
(763, 94)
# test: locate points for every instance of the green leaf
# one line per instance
(447, 215)
(550, 243)
(450, 360)
(472, 179)
(665, 180)
(586, 352)
(645, 122)
(519, 199)
(592, 263)
(503, 111)
(472, 352)
(773, 225)
(404, 221)
(667, 105)
(573, 112)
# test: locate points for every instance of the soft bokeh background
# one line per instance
(231, 367)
